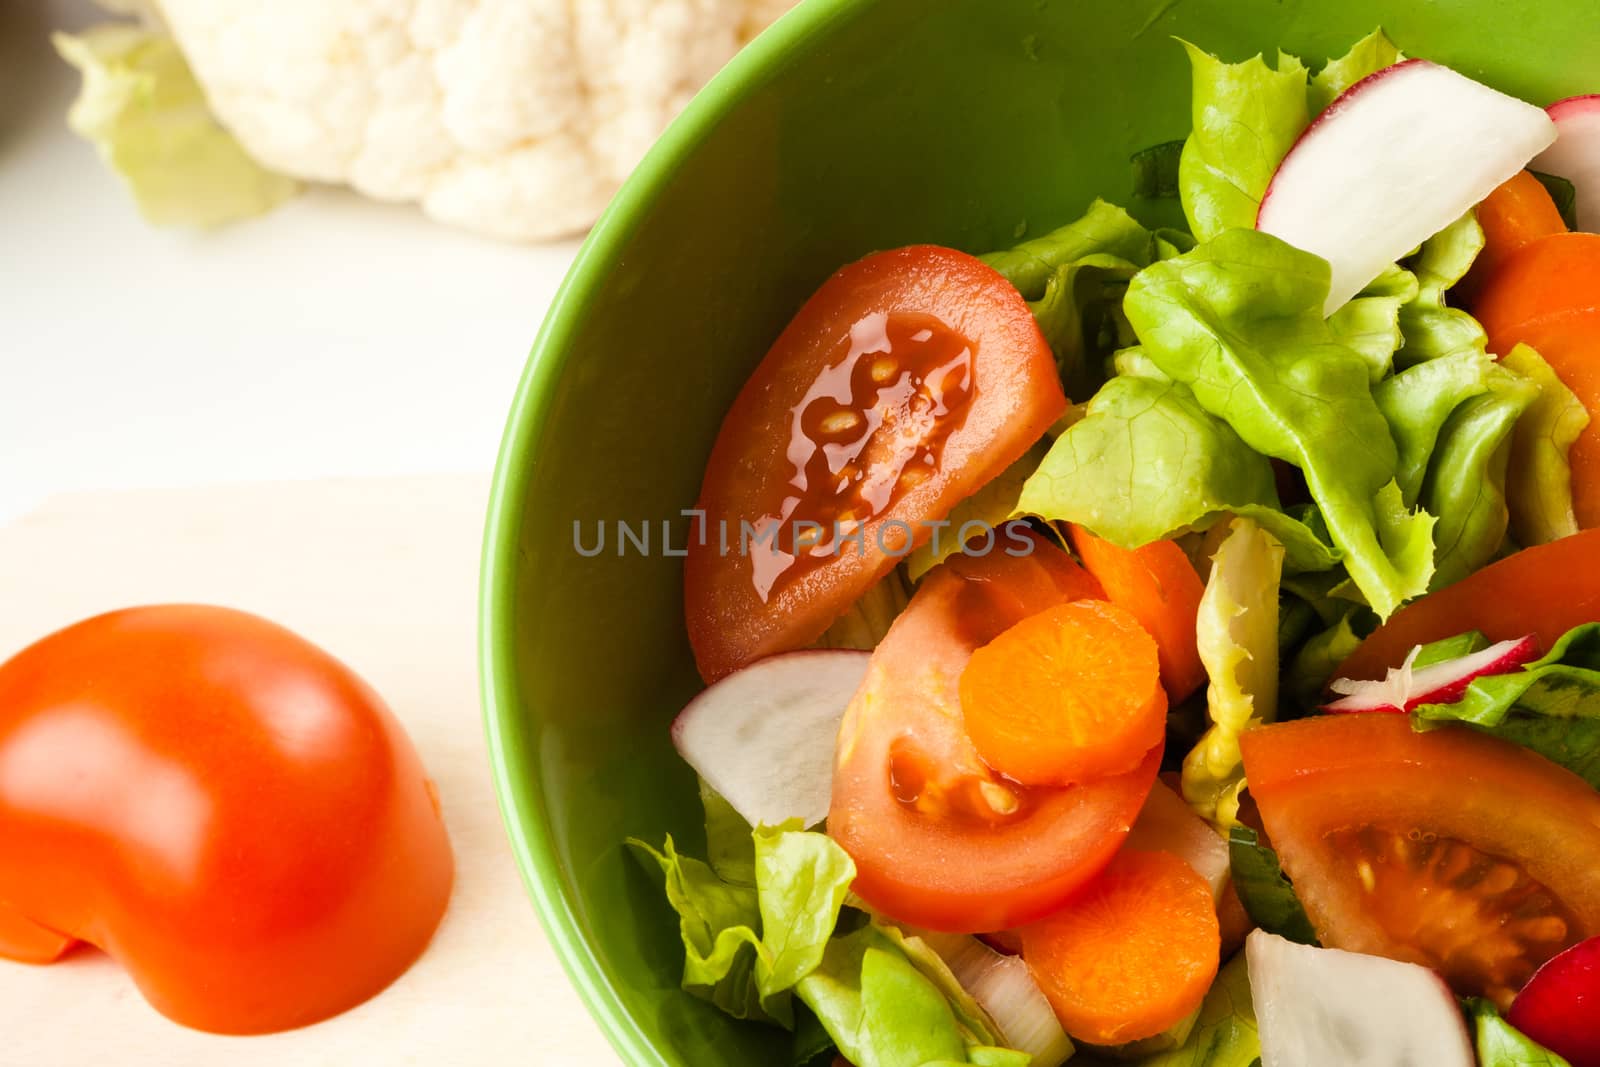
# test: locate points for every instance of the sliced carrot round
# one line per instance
(1159, 586)
(1065, 696)
(1130, 956)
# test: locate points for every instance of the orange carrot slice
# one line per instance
(1157, 585)
(1068, 695)
(1130, 956)
(1514, 215)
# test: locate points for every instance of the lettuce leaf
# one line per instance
(745, 948)
(1466, 482)
(1539, 475)
(1246, 118)
(880, 1010)
(1263, 889)
(1502, 1045)
(1239, 321)
(730, 845)
(142, 108)
(1318, 658)
(1104, 230)
(1552, 706)
(1369, 323)
(1431, 327)
(1147, 461)
(1417, 401)
(1237, 633)
(1225, 1034)
(1371, 54)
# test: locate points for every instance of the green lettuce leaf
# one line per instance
(1239, 321)
(1104, 230)
(879, 1009)
(1369, 324)
(1539, 475)
(1263, 889)
(1466, 482)
(1147, 462)
(1155, 171)
(1551, 707)
(1225, 1034)
(1237, 634)
(141, 107)
(977, 1028)
(1502, 1045)
(745, 948)
(1371, 54)
(1431, 327)
(730, 844)
(1246, 118)
(1417, 401)
(1565, 195)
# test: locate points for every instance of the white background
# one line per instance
(331, 337)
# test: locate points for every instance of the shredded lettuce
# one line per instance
(1371, 54)
(1264, 890)
(1239, 322)
(142, 108)
(1466, 483)
(1246, 118)
(1147, 462)
(1237, 633)
(1539, 475)
(1552, 706)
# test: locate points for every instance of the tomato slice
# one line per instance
(910, 379)
(939, 839)
(1448, 848)
(1545, 590)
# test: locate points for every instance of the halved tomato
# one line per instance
(909, 380)
(1448, 848)
(938, 838)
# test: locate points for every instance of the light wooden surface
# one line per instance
(383, 573)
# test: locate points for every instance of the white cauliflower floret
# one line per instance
(518, 118)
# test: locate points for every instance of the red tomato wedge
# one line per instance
(909, 380)
(1545, 591)
(939, 839)
(1448, 848)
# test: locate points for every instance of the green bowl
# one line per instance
(851, 125)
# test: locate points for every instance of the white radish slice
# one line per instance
(1576, 154)
(1406, 687)
(1003, 987)
(1323, 1007)
(1167, 824)
(763, 736)
(1396, 158)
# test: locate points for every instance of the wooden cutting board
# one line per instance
(383, 573)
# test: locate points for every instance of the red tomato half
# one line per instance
(940, 840)
(1448, 848)
(221, 806)
(909, 380)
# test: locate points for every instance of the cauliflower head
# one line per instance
(515, 118)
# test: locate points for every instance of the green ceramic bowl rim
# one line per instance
(521, 804)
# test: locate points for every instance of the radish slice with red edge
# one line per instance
(1560, 1006)
(1396, 158)
(763, 736)
(1405, 687)
(1317, 1007)
(1576, 154)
